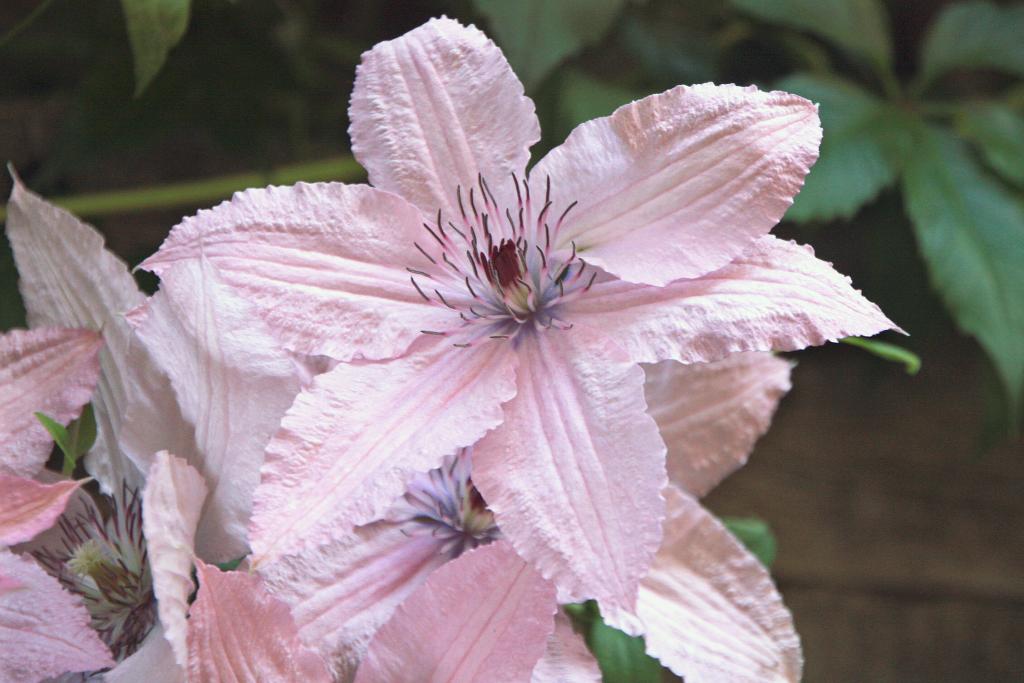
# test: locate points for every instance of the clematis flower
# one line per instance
(470, 299)
(342, 593)
(173, 376)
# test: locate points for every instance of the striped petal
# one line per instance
(485, 616)
(68, 279)
(30, 507)
(49, 370)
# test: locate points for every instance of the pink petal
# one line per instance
(323, 264)
(775, 297)
(575, 472)
(51, 371)
(153, 662)
(710, 414)
(233, 383)
(709, 609)
(678, 184)
(567, 659)
(433, 109)
(485, 616)
(347, 446)
(239, 632)
(69, 279)
(171, 503)
(342, 592)
(44, 629)
(30, 508)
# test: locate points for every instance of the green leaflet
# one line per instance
(538, 34)
(75, 440)
(891, 352)
(999, 132)
(622, 658)
(974, 35)
(583, 97)
(756, 535)
(860, 27)
(970, 230)
(864, 140)
(154, 27)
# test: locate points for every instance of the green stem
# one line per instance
(195, 192)
(26, 22)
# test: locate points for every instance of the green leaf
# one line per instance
(974, 35)
(756, 535)
(538, 34)
(622, 658)
(154, 27)
(860, 27)
(864, 141)
(970, 230)
(999, 132)
(891, 352)
(230, 565)
(583, 97)
(75, 440)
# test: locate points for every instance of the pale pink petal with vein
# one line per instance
(775, 297)
(324, 264)
(233, 383)
(239, 632)
(566, 659)
(342, 592)
(171, 503)
(678, 184)
(574, 473)
(29, 508)
(44, 629)
(68, 279)
(153, 662)
(436, 107)
(709, 609)
(347, 447)
(711, 414)
(51, 371)
(485, 616)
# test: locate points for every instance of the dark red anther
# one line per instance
(503, 264)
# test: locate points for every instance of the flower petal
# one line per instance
(324, 265)
(239, 632)
(342, 592)
(233, 384)
(44, 629)
(153, 662)
(348, 445)
(678, 184)
(69, 279)
(30, 508)
(48, 370)
(709, 609)
(433, 109)
(485, 616)
(171, 503)
(575, 472)
(775, 297)
(710, 414)
(567, 659)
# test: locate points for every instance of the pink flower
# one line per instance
(481, 306)
(176, 373)
(707, 607)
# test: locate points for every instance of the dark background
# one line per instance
(897, 501)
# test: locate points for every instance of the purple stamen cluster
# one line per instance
(499, 270)
(103, 559)
(445, 503)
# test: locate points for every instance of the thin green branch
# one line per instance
(26, 22)
(343, 168)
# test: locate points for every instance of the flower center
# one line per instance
(445, 503)
(103, 559)
(500, 270)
